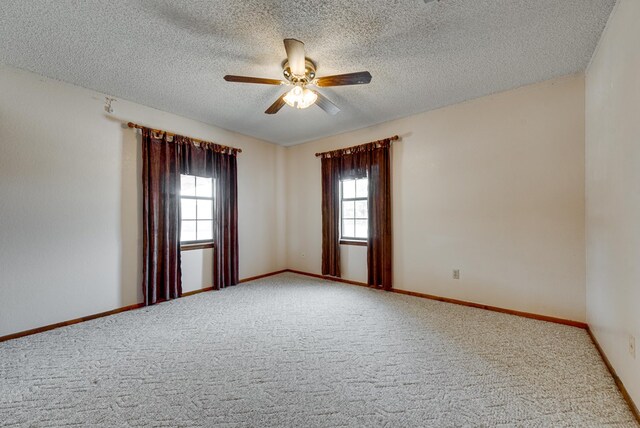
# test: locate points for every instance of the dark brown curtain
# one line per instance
(161, 219)
(379, 256)
(220, 163)
(330, 216)
(371, 160)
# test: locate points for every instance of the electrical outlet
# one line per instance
(632, 346)
(456, 274)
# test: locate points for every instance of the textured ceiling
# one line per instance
(172, 55)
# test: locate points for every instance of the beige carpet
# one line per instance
(298, 352)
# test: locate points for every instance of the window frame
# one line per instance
(198, 243)
(352, 240)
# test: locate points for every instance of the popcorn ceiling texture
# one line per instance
(172, 55)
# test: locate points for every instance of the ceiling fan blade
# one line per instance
(245, 79)
(295, 55)
(276, 106)
(326, 105)
(359, 78)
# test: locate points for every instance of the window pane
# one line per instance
(205, 209)
(348, 189)
(348, 228)
(188, 231)
(348, 209)
(362, 188)
(203, 187)
(188, 209)
(361, 228)
(361, 209)
(205, 229)
(187, 185)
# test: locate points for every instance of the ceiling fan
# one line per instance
(300, 72)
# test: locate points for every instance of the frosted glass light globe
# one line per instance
(300, 97)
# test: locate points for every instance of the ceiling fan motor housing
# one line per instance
(309, 72)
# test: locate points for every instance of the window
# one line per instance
(354, 209)
(196, 198)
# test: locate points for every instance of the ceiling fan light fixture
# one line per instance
(300, 97)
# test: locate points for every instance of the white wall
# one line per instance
(493, 187)
(70, 202)
(613, 192)
(197, 269)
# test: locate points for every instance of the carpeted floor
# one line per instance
(292, 351)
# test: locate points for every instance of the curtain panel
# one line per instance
(161, 274)
(165, 157)
(371, 160)
(331, 216)
(379, 242)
